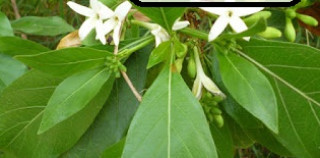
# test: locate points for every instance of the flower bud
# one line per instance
(289, 30)
(255, 17)
(178, 64)
(271, 32)
(218, 119)
(192, 67)
(215, 111)
(309, 20)
(290, 13)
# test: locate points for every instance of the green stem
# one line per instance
(194, 33)
(129, 49)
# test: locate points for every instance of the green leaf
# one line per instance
(21, 108)
(250, 88)
(169, 123)
(159, 54)
(17, 46)
(294, 72)
(10, 70)
(223, 140)
(115, 151)
(5, 27)
(113, 121)
(65, 62)
(72, 95)
(162, 16)
(42, 26)
(240, 138)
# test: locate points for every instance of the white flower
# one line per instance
(115, 22)
(229, 16)
(95, 16)
(202, 80)
(160, 34)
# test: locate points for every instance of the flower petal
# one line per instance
(81, 9)
(122, 10)
(100, 32)
(180, 25)
(86, 27)
(101, 9)
(197, 88)
(219, 25)
(244, 11)
(210, 85)
(238, 25)
(108, 26)
(117, 33)
(216, 10)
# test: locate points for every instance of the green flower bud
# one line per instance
(255, 17)
(178, 64)
(192, 68)
(289, 30)
(215, 111)
(309, 20)
(271, 32)
(218, 119)
(180, 49)
(290, 13)
(218, 98)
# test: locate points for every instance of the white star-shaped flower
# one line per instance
(160, 34)
(202, 80)
(115, 22)
(95, 16)
(229, 16)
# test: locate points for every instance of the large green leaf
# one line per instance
(169, 122)
(246, 128)
(72, 95)
(162, 16)
(223, 140)
(21, 107)
(17, 46)
(5, 27)
(66, 62)
(250, 88)
(43, 26)
(10, 70)
(295, 72)
(113, 121)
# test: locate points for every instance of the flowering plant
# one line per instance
(129, 81)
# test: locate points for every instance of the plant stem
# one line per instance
(133, 89)
(17, 14)
(194, 33)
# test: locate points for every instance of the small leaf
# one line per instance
(66, 62)
(10, 70)
(169, 123)
(159, 54)
(42, 26)
(162, 16)
(72, 95)
(17, 46)
(250, 88)
(5, 27)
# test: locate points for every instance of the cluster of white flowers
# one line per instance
(102, 18)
